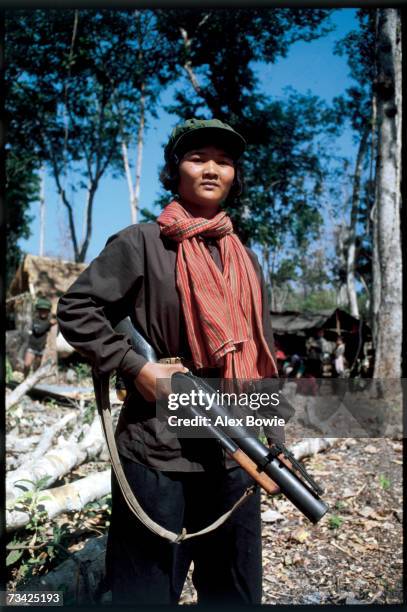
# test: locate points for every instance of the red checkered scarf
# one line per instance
(222, 310)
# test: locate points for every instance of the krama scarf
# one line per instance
(222, 310)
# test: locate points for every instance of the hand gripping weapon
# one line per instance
(260, 462)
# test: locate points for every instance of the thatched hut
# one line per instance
(36, 277)
(294, 330)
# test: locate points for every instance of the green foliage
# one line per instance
(9, 371)
(359, 48)
(147, 216)
(89, 413)
(41, 545)
(13, 556)
(356, 107)
(83, 371)
(335, 522)
(315, 301)
(22, 189)
(284, 164)
(27, 547)
(74, 80)
(340, 505)
(385, 482)
(222, 47)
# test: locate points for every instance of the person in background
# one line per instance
(42, 323)
(339, 357)
(324, 345)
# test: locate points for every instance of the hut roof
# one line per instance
(294, 322)
(44, 276)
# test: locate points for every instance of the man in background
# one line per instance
(41, 325)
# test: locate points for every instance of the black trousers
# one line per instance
(143, 568)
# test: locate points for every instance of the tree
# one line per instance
(83, 74)
(217, 49)
(357, 106)
(22, 165)
(285, 164)
(387, 265)
(22, 189)
(156, 69)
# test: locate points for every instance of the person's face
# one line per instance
(206, 177)
(43, 313)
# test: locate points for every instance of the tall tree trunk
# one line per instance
(42, 212)
(351, 251)
(139, 159)
(212, 102)
(342, 291)
(134, 187)
(388, 304)
(87, 223)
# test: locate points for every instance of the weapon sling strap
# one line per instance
(101, 385)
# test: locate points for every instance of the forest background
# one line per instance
(92, 96)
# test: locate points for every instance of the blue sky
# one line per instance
(308, 67)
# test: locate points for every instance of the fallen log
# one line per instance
(75, 495)
(66, 395)
(311, 446)
(57, 462)
(45, 442)
(16, 444)
(67, 498)
(15, 396)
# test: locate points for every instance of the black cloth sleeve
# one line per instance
(101, 296)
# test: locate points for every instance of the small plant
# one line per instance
(89, 413)
(335, 521)
(340, 505)
(40, 545)
(82, 371)
(9, 372)
(51, 403)
(96, 515)
(384, 482)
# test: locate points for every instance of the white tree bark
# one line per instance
(139, 159)
(42, 212)
(45, 441)
(388, 304)
(15, 396)
(341, 237)
(351, 242)
(134, 186)
(56, 462)
(68, 498)
(16, 444)
(311, 446)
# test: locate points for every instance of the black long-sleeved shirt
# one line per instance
(136, 274)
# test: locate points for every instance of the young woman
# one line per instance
(193, 290)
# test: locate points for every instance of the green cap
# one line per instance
(194, 131)
(43, 304)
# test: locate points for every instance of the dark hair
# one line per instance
(169, 177)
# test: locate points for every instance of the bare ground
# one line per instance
(354, 555)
